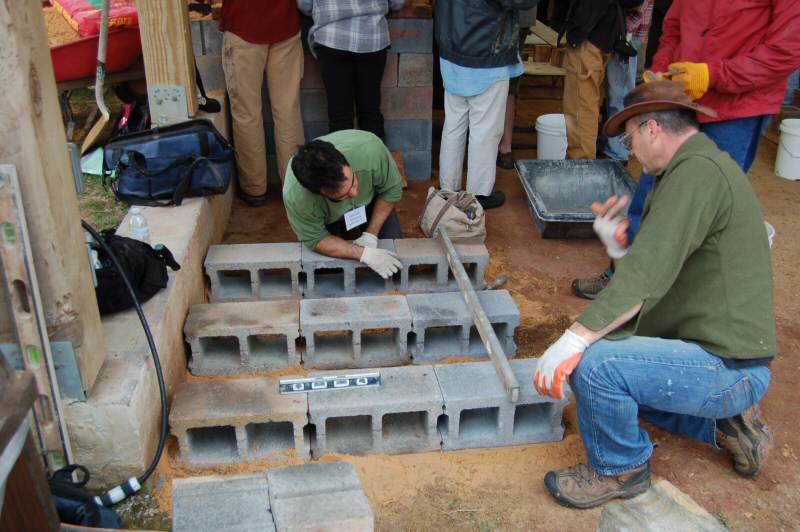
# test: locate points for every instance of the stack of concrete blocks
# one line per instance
(238, 420)
(425, 267)
(407, 88)
(331, 277)
(243, 337)
(246, 272)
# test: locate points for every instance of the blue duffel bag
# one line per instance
(161, 166)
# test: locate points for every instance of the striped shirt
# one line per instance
(351, 25)
(638, 19)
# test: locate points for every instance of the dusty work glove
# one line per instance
(558, 363)
(385, 263)
(649, 76)
(612, 232)
(366, 240)
(695, 77)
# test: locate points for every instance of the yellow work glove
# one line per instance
(695, 77)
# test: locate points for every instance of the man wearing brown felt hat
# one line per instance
(684, 333)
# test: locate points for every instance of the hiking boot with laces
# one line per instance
(747, 438)
(589, 288)
(580, 486)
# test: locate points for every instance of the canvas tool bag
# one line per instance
(458, 212)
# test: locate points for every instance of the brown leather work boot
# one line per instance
(590, 287)
(747, 438)
(581, 487)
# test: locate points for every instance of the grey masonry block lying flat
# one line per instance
(334, 277)
(355, 332)
(399, 416)
(242, 272)
(325, 496)
(238, 420)
(443, 325)
(425, 267)
(243, 337)
(239, 503)
(479, 414)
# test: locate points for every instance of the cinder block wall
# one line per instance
(406, 96)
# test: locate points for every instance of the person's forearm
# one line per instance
(380, 212)
(333, 246)
(593, 336)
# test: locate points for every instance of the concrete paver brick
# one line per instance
(334, 277)
(479, 414)
(243, 272)
(237, 503)
(243, 337)
(355, 332)
(399, 416)
(425, 267)
(415, 70)
(238, 420)
(411, 36)
(418, 164)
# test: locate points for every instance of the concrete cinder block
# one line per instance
(411, 36)
(312, 77)
(355, 332)
(390, 72)
(425, 267)
(210, 67)
(419, 165)
(443, 325)
(479, 414)
(196, 27)
(334, 277)
(415, 70)
(243, 337)
(315, 129)
(399, 416)
(313, 105)
(406, 103)
(409, 135)
(212, 37)
(238, 420)
(242, 272)
(237, 503)
(326, 496)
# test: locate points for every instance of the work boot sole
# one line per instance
(760, 447)
(552, 487)
(580, 293)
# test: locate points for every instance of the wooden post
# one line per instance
(167, 47)
(32, 138)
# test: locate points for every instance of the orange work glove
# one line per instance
(695, 77)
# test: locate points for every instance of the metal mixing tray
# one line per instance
(561, 193)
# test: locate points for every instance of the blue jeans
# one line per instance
(620, 80)
(675, 385)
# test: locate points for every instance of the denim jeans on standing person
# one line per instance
(673, 384)
(620, 80)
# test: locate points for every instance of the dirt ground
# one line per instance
(502, 488)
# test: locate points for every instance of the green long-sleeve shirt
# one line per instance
(375, 170)
(700, 261)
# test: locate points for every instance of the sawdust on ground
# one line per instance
(58, 29)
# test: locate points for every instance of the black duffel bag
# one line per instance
(161, 166)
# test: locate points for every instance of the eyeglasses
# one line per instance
(626, 139)
(346, 194)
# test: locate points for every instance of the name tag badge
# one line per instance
(355, 217)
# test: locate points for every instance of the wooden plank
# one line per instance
(533, 68)
(544, 33)
(32, 139)
(482, 322)
(167, 46)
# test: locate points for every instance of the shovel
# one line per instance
(103, 126)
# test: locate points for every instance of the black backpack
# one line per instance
(144, 266)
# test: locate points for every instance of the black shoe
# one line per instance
(492, 201)
(253, 201)
(590, 287)
(505, 160)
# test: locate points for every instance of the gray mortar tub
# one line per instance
(561, 192)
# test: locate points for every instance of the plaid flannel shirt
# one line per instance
(355, 26)
(637, 20)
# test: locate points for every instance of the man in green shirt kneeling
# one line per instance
(342, 187)
(684, 333)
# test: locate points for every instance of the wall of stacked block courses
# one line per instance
(407, 92)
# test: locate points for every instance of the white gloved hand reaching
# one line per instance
(558, 363)
(384, 262)
(606, 229)
(366, 240)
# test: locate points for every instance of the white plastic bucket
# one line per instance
(551, 137)
(787, 163)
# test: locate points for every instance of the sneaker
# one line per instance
(581, 487)
(253, 201)
(505, 160)
(589, 288)
(748, 440)
(492, 201)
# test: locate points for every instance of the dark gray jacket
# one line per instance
(479, 33)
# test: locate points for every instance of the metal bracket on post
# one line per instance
(168, 104)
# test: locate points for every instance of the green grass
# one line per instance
(98, 205)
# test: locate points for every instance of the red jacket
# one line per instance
(261, 21)
(751, 47)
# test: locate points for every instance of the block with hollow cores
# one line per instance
(243, 337)
(245, 272)
(320, 496)
(230, 421)
(399, 416)
(334, 277)
(479, 414)
(425, 267)
(443, 325)
(238, 503)
(355, 332)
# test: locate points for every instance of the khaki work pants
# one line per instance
(245, 64)
(583, 95)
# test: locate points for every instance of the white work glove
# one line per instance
(558, 363)
(384, 262)
(366, 240)
(606, 228)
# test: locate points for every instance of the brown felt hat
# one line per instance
(653, 96)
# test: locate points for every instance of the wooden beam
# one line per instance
(32, 138)
(167, 47)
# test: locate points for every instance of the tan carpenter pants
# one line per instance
(583, 95)
(245, 64)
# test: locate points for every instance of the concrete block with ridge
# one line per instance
(425, 267)
(246, 272)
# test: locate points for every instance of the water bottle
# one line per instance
(137, 225)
